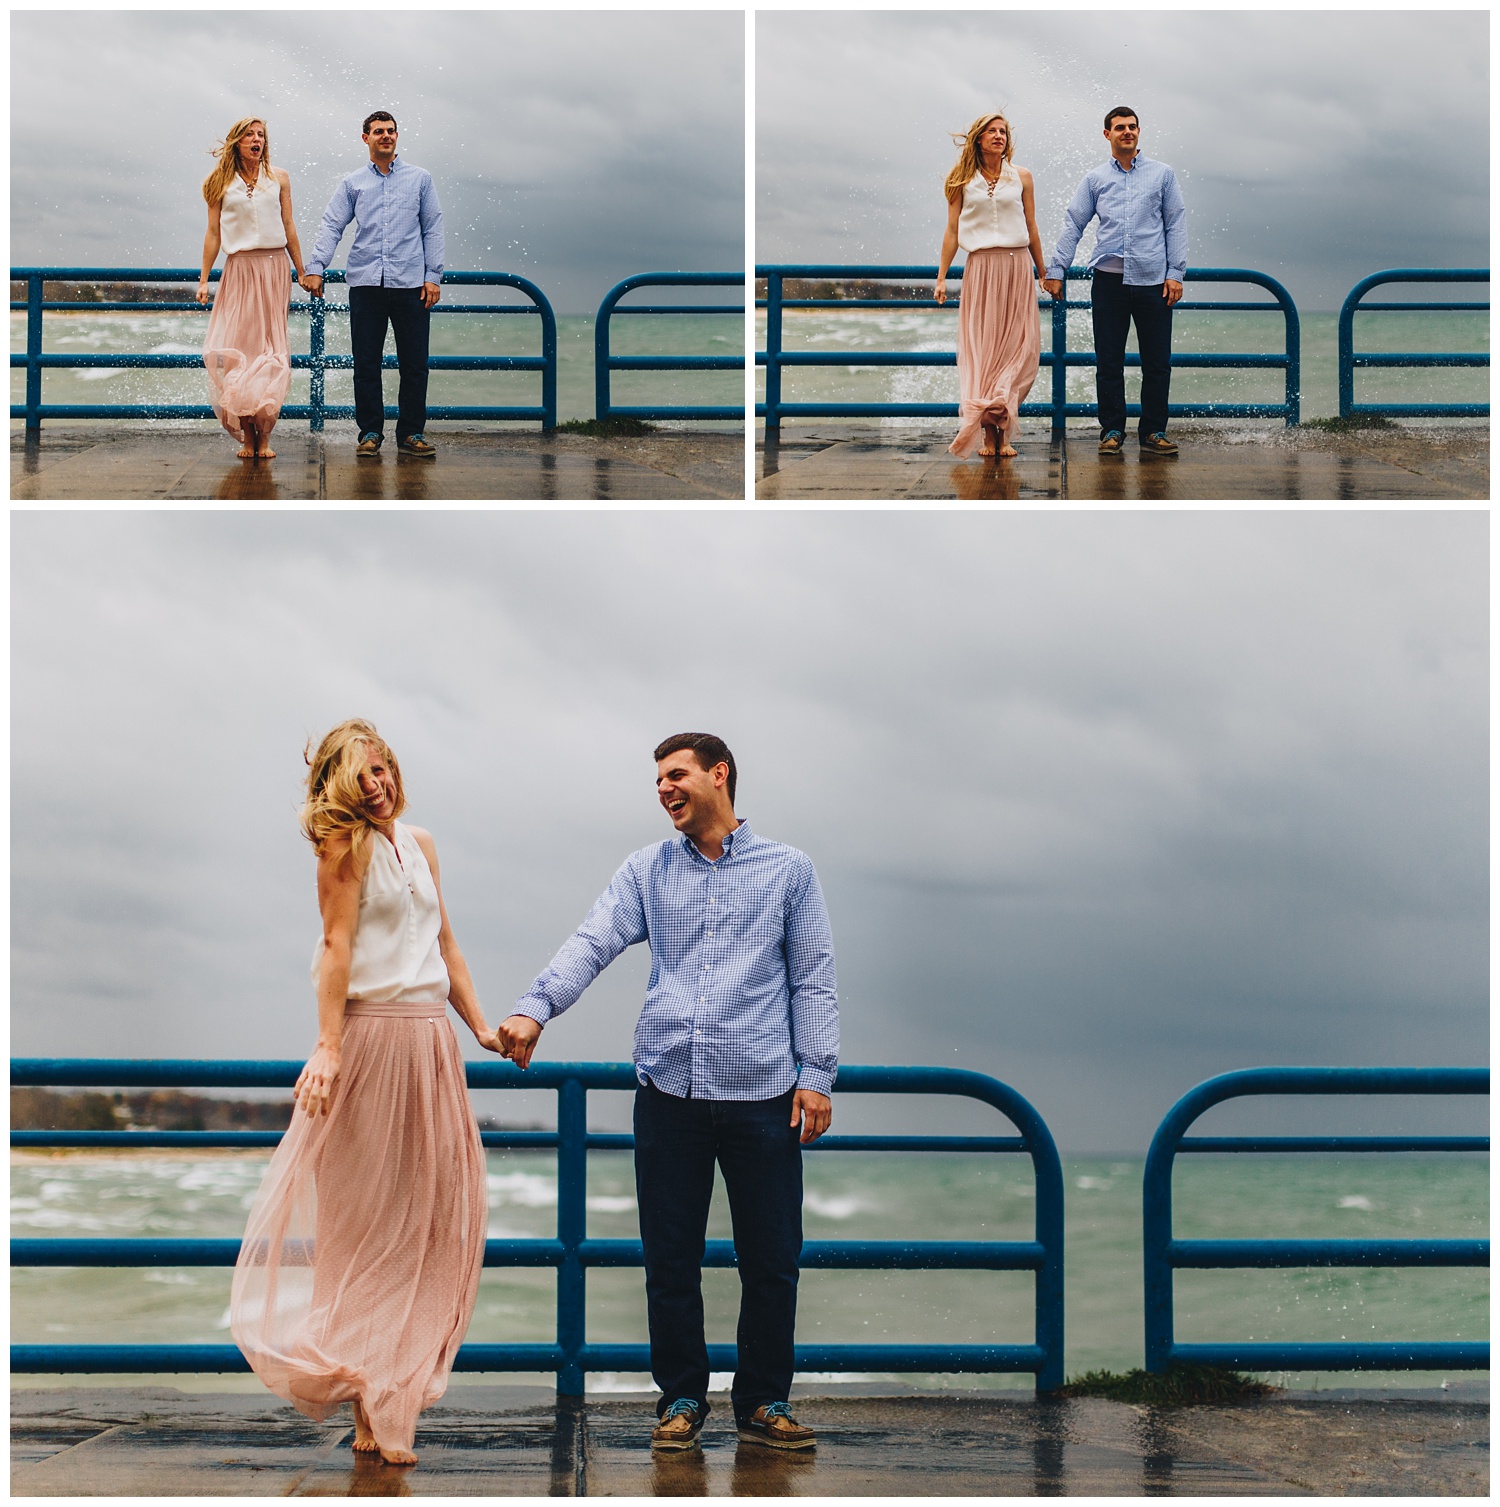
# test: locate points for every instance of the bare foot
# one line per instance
(267, 453)
(245, 452)
(364, 1440)
(1007, 452)
(397, 1456)
(987, 444)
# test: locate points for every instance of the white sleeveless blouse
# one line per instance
(251, 221)
(396, 956)
(997, 219)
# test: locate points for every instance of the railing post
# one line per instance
(316, 310)
(773, 351)
(1293, 363)
(601, 360)
(1156, 1219)
(1060, 362)
(1049, 1277)
(33, 353)
(549, 369)
(572, 1220)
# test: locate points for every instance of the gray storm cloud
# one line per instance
(1316, 146)
(1103, 804)
(573, 147)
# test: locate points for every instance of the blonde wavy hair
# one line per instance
(335, 805)
(962, 172)
(229, 158)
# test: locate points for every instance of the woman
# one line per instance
(361, 1257)
(245, 350)
(992, 215)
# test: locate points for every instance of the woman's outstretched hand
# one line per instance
(314, 1087)
(489, 1039)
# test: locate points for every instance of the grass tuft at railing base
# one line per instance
(1349, 423)
(1184, 1386)
(607, 429)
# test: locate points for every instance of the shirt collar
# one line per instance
(395, 163)
(1135, 162)
(733, 840)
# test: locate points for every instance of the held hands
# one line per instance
(813, 1111)
(518, 1036)
(314, 1087)
(311, 282)
(1053, 285)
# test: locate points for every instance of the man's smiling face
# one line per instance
(689, 793)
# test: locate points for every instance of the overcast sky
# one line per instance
(575, 148)
(1103, 804)
(1318, 146)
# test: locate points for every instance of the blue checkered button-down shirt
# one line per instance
(1142, 220)
(742, 1002)
(399, 239)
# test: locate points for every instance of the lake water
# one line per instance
(1204, 333)
(460, 335)
(855, 1195)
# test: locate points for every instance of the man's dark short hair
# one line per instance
(708, 750)
(377, 115)
(1121, 110)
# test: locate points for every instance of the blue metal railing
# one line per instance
(604, 363)
(776, 359)
(1349, 358)
(1163, 1254)
(572, 1252)
(314, 360)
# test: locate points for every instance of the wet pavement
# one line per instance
(847, 463)
(523, 1441)
(166, 462)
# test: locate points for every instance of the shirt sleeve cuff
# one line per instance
(1176, 274)
(816, 1079)
(535, 1009)
(429, 276)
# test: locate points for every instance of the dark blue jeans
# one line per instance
(677, 1142)
(371, 310)
(1114, 306)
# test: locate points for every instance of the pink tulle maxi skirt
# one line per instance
(361, 1258)
(245, 350)
(999, 343)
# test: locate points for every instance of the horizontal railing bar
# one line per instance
(687, 308)
(135, 306)
(950, 358)
(855, 1255)
(1312, 1355)
(1396, 308)
(140, 1251)
(973, 1358)
(1224, 1254)
(1335, 1143)
(676, 411)
(300, 361)
(1424, 410)
(1070, 410)
(495, 1140)
(122, 1359)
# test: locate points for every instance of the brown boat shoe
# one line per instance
(772, 1424)
(679, 1426)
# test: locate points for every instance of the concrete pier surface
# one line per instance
(523, 1441)
(188, 460)
(834, 462)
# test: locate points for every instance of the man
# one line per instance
(394, 277)
(736, 1051)
(1140, 257)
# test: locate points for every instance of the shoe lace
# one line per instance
(678, 1408)
(778, 1410)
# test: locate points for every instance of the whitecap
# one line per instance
(525, 1188)
(1356, 1201)
(609, 1204)
(837, 1207)
(1099, 1184)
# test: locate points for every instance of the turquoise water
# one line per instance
(1199, 333)
(461, 335)
(849, 1196)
